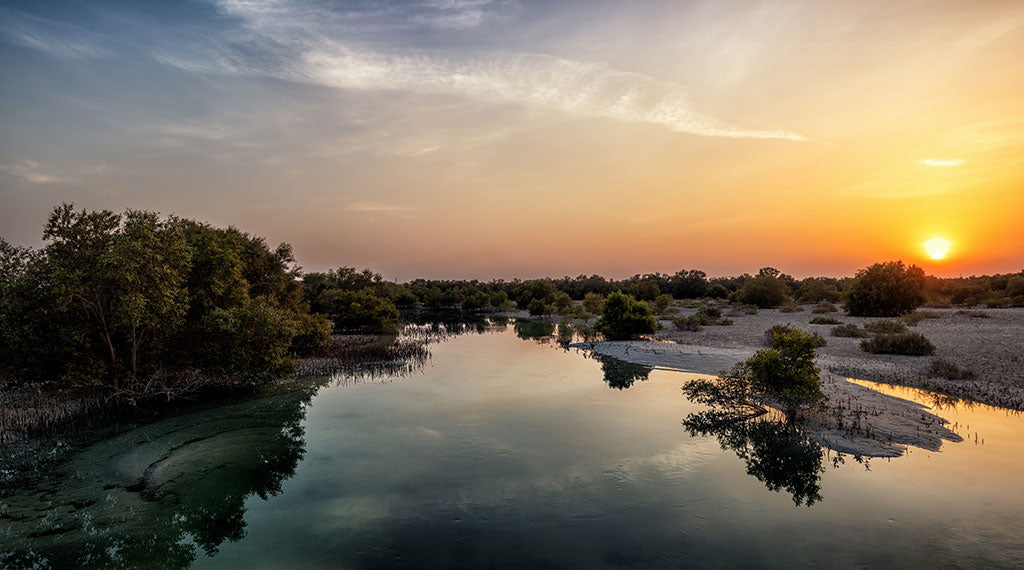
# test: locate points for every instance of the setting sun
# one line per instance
(937, 248)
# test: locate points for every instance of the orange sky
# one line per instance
(495, 139)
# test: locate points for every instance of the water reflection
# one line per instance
(621, 374)
(158, 494)
(778, 455)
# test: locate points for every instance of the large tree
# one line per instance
(886, 290)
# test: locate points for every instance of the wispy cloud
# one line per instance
(942, 162)
(56, 38)
(306, 51)
(28, 171)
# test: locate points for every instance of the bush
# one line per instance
(790, 308)
(764, 291)
(850, 331)
(906, 344)
(360, 310)
(592, 302)
(661, 302)
(823, 307)
(886, 290)
(944, 369)
(623, 317)
(772, 335)
(817, 290)
(885, 327)
(783, 374)
(716, 291)
(825, 321)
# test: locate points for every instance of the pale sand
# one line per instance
(856, 420)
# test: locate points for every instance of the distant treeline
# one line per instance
(144, 304)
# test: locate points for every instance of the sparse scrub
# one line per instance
(850, 331)
(906, 344)
(944, 369)
(790, 308)
(742, 309)
(823, 307)
(825, 321)
(974, 314)
(885, 327)
(772, 335)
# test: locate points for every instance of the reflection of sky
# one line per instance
(422, 122)
(507, 449)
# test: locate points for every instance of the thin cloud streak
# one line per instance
(28, 171)
(583, 89)
(942, 163)
(55, 38)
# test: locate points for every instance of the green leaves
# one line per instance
(623, 317)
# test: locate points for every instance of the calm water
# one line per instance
(506, 452)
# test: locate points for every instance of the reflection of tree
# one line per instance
(777, 454)
(534, 330)
(621, 374)
(193, 496)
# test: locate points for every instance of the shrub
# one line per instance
(661, 302)
(974, 314)
(907, 344)
(716, 291)
(850, 331)
(825, 321)
(944, 369)
(886, 290)
(783, 374)
(740, 309)
(360, 310)
(772, 335)
(764, 291)
(817, 290)
(823, 307)
(885, 327)
(592, 302)
(684, 323)
(790, 308)
(1015, 286)
(623, 317)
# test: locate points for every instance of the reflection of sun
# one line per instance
(937, 248)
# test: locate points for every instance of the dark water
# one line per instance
(506, 451)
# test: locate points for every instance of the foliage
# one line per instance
(825, 321)
(783, 374)
(944, 369)
(765, 290)
(623, 317)
(592, 302)
(716, 291)
(886, 290)
(116, 299)
(823, 307)
(776, 332)
(661, 302)
(820, 290)
(790, 308)
(850, 331)
(907, 344)
(885, 327)
(360, 310)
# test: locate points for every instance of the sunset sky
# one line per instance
(482, 139)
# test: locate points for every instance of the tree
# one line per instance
(783, 374)
(766, 290)
(623, 317)
(360, 310)
(886, 290)
(592, 302)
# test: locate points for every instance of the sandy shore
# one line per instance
(857, 419)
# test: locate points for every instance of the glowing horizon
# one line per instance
(499, 139)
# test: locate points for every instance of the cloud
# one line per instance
(28, 171)
(942, 163)
(56, 38)
(285, 41)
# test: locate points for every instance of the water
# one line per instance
(506, 452)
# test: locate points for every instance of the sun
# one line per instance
(937, 248)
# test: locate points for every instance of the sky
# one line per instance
(503, 138)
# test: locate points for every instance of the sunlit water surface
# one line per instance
(505, 452)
